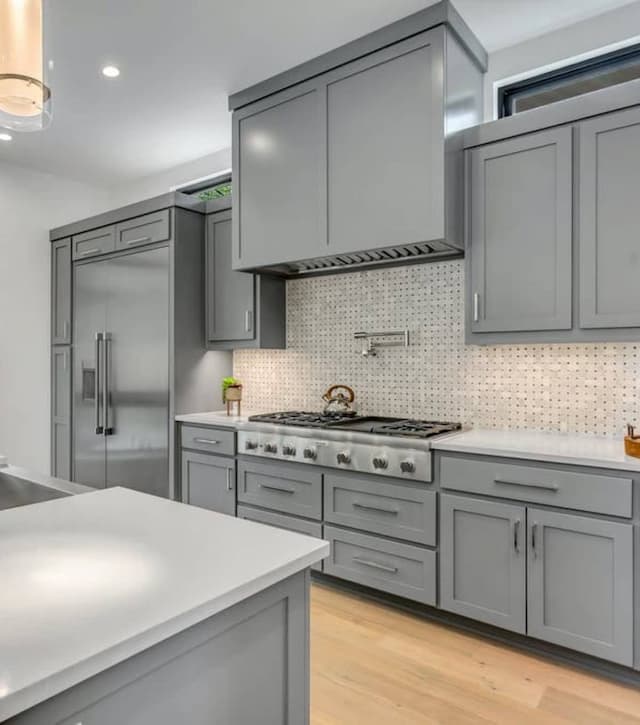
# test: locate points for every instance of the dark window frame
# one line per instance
(509, 93)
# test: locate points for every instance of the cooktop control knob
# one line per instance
(288, 450)
(270, 448)
(407, 466)
(250, 445)
(344, 457)
(380, 462)
(311, 453)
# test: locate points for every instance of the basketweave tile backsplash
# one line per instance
(580, 388)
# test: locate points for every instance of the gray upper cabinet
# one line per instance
(61, 292)
(94, 242)
(145, 229)
(242, 309)
(279, 178)
(61, 412)
(483, 561)
(609, 153)
(385, 125)
(519, 252)
(209, 482)
(580, 582)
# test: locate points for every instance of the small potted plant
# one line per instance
(231, 393)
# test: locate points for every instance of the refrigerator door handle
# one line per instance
(97, 387)
(108, 427)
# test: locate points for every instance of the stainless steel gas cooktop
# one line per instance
(395, 447)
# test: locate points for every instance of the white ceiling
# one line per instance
(180, 60)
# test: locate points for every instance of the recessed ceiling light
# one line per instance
(111, 71)
(5, 136)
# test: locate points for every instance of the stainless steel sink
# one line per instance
(16, 491)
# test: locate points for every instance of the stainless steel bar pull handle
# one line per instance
(87, 252)
(229, 482)
(376, 565)
(208, 441)
(138, 240)
(476, 307)
(108, 423)
(516, 536)
(534, 539)
(248, 321)
(97, 390)
(527, 484)
(369, 507)
(279, 489)
(65, 330)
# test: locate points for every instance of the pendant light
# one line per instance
(25, 95)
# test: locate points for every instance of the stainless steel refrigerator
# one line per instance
(121, 388)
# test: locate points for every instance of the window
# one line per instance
(209, 189)
(572, 80)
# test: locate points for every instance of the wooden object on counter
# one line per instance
(632, 446)
(233, 394)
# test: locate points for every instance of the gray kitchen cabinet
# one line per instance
(609, 218)
(242, 309)
(145, 229)
(279, 178)
(580, 584)
(61, 292)
(384, 124)
(483, 561)
(209, 482)
(93, 242)
(519, 250)
(61, 412)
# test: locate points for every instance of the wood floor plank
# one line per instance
(373, 664)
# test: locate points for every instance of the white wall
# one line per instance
(601, 31)
(30, 204)
(147, 187)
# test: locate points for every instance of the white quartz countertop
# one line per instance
(89, 581)
(577, 450)
(217, 418)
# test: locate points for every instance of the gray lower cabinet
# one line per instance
(580, 583)
(609, 218)
(61, 292)
(242, 309)
(282, 521)
(402, 569)
(520, 233)
(482, 561)
(209, 482)
(278, 176)
(61, 412)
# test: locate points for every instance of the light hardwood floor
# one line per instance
(374, 665)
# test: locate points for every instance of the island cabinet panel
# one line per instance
(247, 664)
(385, 126)
(61, 292)
(279, 178)
(520, 234)
(61, 412)
(209, 482)
(483, 561)
(609, 219)
(580, 583)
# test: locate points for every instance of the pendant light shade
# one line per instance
(25, 94)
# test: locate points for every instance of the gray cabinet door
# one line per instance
(230, 311)
(90, 244)
(61, 412)
(385, 152)
(521, 234)
(580, 583)
(61, 292)
(209, 482)
(609, 220)
(279, 171)
(483, 561)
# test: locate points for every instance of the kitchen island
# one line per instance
(120, 607)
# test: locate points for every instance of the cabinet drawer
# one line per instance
(97, 241)
(143, 230)
(401, 511)
(553, 486)
(284, 487)
(401, 569)
(280, 521)
(211, 440)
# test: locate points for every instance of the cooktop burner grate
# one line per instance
(301, 418)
